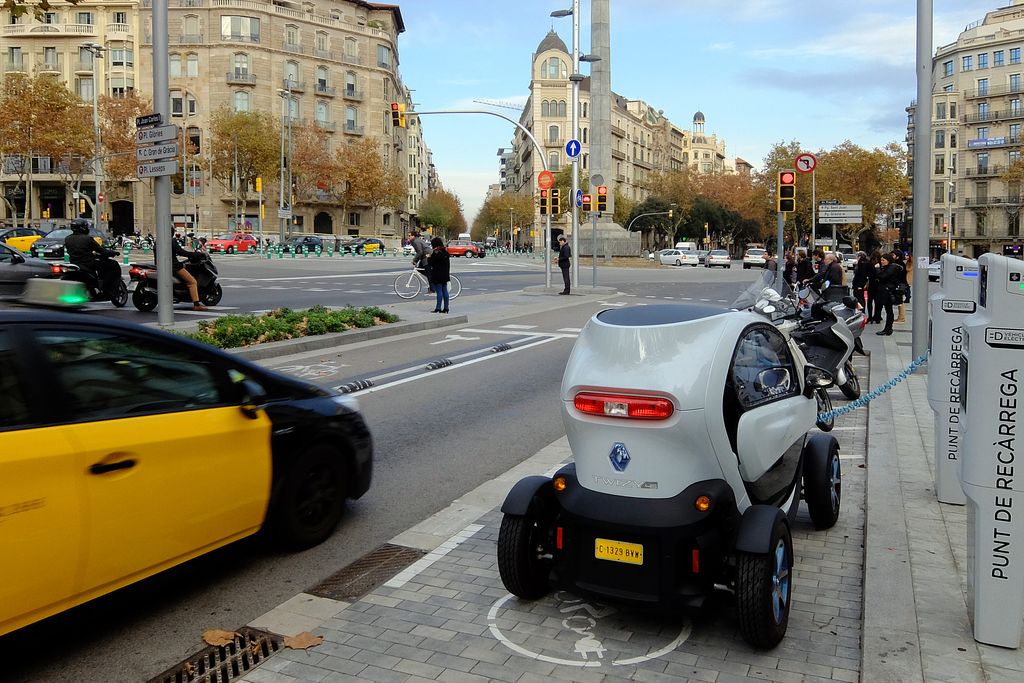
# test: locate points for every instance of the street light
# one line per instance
(96, 50)
(575, 79)
(286, 99)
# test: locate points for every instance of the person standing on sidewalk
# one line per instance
(564, 259)
(861, 275)
(440, 273)
(889, 277)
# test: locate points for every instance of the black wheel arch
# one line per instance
(755, 532)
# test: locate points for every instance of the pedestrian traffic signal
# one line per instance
(543, 202)
(259, 184)
(397, 115)
(81, 207)
(602, 198)
(556, 207)
(586, 202)
(786, 194)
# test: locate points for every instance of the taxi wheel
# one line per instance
(764, 590)
(520, 547)
(311, 500)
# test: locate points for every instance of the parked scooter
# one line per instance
(144, 283)
(118, 291)
(855, 319)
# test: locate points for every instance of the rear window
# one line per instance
(755, 252)
(719, 252)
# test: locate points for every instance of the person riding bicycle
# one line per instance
(422, 258)
(84, 252)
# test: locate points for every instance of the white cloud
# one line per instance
(470, 186)
(721, 47)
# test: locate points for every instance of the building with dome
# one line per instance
(644, 140)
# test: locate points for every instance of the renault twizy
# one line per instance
(689, 427)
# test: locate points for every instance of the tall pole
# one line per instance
(575, 136)
(291, 196)
(238, 225)
(814, 209)
(280, 198)
(949, 212)
(162, 184)
(97, 163)
(922, 131)
(780, 228)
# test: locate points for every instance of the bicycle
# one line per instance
(410, 285)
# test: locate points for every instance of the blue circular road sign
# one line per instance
(573, 148)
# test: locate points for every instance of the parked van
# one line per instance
(686, 246)
(465, 236)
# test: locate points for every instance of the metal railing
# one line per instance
(323, 54)
(993, 201)
(289, 46)
(351, 59)
(993, 116)
(294, 86)
(324, 89)
(241, 78)
(190, 39)
(352, 94)
(329, 126)
(994, 90)
(985, 170)
(353, 129)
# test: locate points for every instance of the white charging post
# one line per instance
(993, 479)
(958, 291)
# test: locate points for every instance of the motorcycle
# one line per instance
(143, 283)
(118, 294)
(690, 428)
(853, 317)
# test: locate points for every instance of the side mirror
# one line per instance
(816, 378)
(252, 396)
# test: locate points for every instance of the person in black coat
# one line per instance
(804, 267)
(889, 277)
(874, 304)
(861, 273)
(440, 273)
(564, 259)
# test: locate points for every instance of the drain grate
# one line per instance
(220, 664)
(367, 573)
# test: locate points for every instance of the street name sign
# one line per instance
(145, 136)
(149, 120)
(284, 213)
(840, 220)
(843, 208)
(157, 168)
(823, 202)
(167, 151)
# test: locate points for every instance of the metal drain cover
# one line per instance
(220, 664)
(366, 573)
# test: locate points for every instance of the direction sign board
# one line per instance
(579, 197)
(856, 208)
(149, 120)
(828, 201)
(573, 148)
(157, 168)
(166, 151)
(145, 136)
(284, 213)
(840, 220)
(805, 162)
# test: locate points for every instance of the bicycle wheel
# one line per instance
(408, 285)
(454, 287)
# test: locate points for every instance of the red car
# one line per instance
(463, 248)
(232, 243)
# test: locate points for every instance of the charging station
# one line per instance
(956, 298)
(993, 481)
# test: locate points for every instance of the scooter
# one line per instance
(689, 428)
(847, 314)
(118, 294)
(143, 283)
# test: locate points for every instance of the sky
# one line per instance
(762, 71)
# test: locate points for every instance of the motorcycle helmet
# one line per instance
(80, 226)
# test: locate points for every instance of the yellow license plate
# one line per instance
(617, 551)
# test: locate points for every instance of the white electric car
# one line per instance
(689, 427)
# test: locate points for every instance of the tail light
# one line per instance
(623, 405)
(137, 272)
(56, 270)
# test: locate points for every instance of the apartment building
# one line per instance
(331, 63)
(644, 140)
(975, 119)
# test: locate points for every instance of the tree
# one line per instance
(315, 169)
(563, 183)
(40, 117)
(442, 212)
(623, 207)
(654, 228)
(499, 211)
(254, 137)
(365, 178)
(117, 132)
(37, 8)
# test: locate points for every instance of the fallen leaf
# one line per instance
(218, 637)
(303, 641)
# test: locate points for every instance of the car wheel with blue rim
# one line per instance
(823, 489)
(764, 585)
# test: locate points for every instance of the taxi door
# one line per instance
(170, 464)
(41, 521)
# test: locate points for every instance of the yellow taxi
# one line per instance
(125, 451)
(20, 238)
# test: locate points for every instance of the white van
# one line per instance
(465, 236)
(686, 246)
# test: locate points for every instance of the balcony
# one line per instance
(554, 142)
(119, 32)
(619, 178)
(989, 143)
(993, 91)
(994, 116)
(984, 171)
(323, 54)
(241, 78)
(294, 86)
(643, 164)
(289, 46)
(52, 65)
(325, 90)
(352, 94)
(329, 126)
(618, 131)
(352, 129)
(616, 154)
(84, 66)
(352, 59)
(13, 66)
(1011, 201)
(190, 39)
(49, 30)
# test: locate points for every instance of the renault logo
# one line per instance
(619, 457)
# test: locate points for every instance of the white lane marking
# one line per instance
(409, 573)
(650, 296)
(558, 335)
(449, 368)
(453, 337)
(316, 289)
(276, 288)
(614, 303)
(570, 329)
(519, 327)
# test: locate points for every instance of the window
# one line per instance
(1014, 155)
(940, 139)
(940, 110)
(586, 158)
(584, 110)
(387, 89)
(762, 369)
(120, 18)
(245, 29)
(1012, 229)
(321, 41)
(552, 133)
(545, 109)
(177, 103)
(195, 139)
(997, 58)
(83, 18)
(350, 83)
(50, 18)
(561, 108)
(193, 108)
(122, 56)
(1014, 82)
(190, 26)
(13, 401)
(174, 62)
(584, 135)
(1014, 55)
(353, 218)
(940, 164)
(192, 65)
(983, 133)
(84, 89)
(384, 56)
(241, 64)
(557, 68)
(293, 108)
(983, 111)
(982, 162)
(952, 141)
(982, 86)
(291, 34)
(350, 118)
(101, 373)
(983, 60)
(939, 197)
(553, 161)
(952, 110)
(322, 112)
(85, 58)
(50, 58)
(241, 101)
(967, 61)
(947, 68)
(351, 50)
(980, 229)
(291, 73)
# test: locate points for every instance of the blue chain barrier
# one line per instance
(874, 393)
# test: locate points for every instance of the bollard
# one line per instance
(67, 256)
(294, 252)
(330, 251)
(305, 251)
(318, 251)
(126, 252)
(280, 252)
(394, 252)
(992, 401)
(958, 291)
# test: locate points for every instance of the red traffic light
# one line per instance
(602, 189)
(394, 106)
(787, 177)
(543, 193)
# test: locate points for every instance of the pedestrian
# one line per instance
(890, 275)
(861, 274)
(874, 304)
(789, 270)
(771, 264)
(907, 264)
(804, 267)
(564, 259)
(440, 273)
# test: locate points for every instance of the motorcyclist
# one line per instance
(84, 252)
(179, 270)
(831, 271)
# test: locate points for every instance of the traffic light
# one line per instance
(787, 192)
(670, 213)
(81, 207)
(556, 208)
(259, 184)
(543, 202)
(586, 203)
(397, 115)
(602, 198)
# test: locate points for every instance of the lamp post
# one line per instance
(96, 50)
(286, 99)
